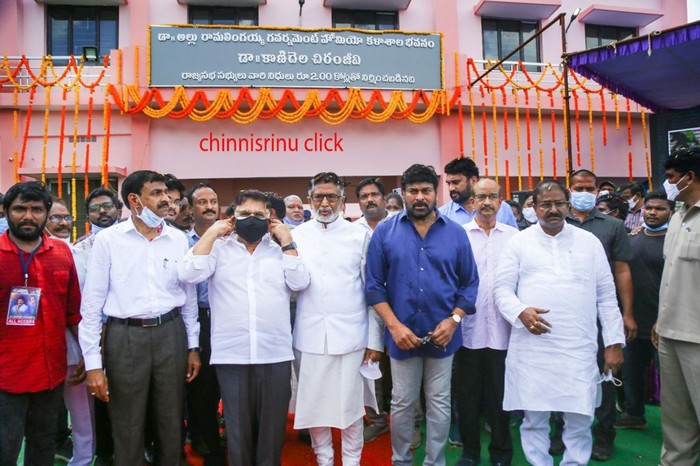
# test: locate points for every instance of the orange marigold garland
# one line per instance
(577, 127)
(507, 180)
(541, 164)
(617, 111)
(520, 174)
(47, 102)
(591, 142)
(604, 118)
(61, 141)
(105, 143)
(554, 163)
(26, 126)
(529, 171)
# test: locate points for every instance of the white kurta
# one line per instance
(567, 274)
(331, 325)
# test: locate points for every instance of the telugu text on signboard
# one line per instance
(198, 56)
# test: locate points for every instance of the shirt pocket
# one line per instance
(170, 274)
(690, 251)
(58, 283)
(271, 272)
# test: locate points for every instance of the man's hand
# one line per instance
(193, 365)
(222, 227)
(404, 338)
(442, 335)
(532, 320)
(78, 374)
(654, 337)
(281, 232)
(371, 355)
(630, 327)
(97, 384)
(613, 358)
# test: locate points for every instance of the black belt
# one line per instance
(150, 322)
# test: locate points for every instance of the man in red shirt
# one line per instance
(38, 269)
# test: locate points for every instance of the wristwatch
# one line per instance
(196, 349)
(290, 246)
(456, 317)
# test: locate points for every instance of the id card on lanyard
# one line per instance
(23, 307)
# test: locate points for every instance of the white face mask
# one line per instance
(609, 377)
(391, 213)
(672, 190)
(530, 215)
(631, 203)
(150, 218)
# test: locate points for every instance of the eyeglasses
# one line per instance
(428, 340)
(483, 197)
(105, 205)
(57, 218)
(259, 215)
(549, 205)
(332, 198)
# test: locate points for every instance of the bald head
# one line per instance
(487, 199)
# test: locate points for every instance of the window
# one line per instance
(233, 16)
(73, 27)
(502, 36)
(366, 19)
(603, 35)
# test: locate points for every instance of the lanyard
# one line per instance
(25, 263)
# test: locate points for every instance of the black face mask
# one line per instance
(251, 229)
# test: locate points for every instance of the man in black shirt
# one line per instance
(646, 265)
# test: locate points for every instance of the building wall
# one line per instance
(367, 149)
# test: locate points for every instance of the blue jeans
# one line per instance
(30, 415)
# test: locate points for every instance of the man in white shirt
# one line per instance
(485, 338)
(553, 283)
(203, 394)
(151, 323)
(250, 279)
(331, 327)
(370, 196)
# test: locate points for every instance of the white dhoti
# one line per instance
(330, 391)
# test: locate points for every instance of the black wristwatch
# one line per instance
(196, 349)
(290, 246)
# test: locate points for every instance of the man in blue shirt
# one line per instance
(461, 175)
(422, 280)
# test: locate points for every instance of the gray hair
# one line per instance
(291, 198)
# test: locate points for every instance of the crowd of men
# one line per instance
(473, 311)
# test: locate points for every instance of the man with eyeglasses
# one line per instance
(332, 325)
(250, 279)
(103, 209)
(612, 234)
(176, 191)
(203, 393)
(678, 326)
(553, 284)
(485, 339)
(60, 223)
(422, 280)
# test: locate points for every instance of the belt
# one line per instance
(149, 322)
(204, 312)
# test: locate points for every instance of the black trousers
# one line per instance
(203, 394)
(479, 378)
(603, 431)
(639, 354)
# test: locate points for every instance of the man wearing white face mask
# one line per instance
(634, 195)
(331, 329)
(678, 325)
(612, 234)
(151, 339)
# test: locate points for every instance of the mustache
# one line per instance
(209, 211)
(163, 204)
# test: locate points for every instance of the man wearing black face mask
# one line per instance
(250, 279)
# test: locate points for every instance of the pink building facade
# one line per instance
(192, 150)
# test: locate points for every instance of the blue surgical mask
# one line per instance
(659, 228)
(3, 225)
(150, 218)
(583, 201)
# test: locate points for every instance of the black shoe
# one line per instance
(467, 462)
(215, 458)
(305, 436)
(602, 451)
